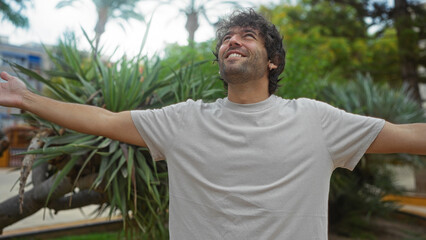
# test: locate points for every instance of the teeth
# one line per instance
(235, 55)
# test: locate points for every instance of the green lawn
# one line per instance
(93, 236)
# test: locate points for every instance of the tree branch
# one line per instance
(27, 164)
(35, 199)
(39, 174)
(78, 200)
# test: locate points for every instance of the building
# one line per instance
(31, 56)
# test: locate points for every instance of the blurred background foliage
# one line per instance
(357, 197)
(327, 41)
(332, 55)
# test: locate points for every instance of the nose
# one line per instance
(235, 40)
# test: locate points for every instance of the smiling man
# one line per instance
(241, 49)
(248, 166)
(251, 57)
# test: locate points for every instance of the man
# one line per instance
(249, 166)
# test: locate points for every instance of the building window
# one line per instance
(17, 58)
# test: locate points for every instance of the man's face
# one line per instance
(242, 56)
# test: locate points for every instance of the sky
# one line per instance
(48, 25)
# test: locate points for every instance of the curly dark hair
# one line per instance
(272, 38)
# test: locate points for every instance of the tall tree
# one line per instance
(12, 11)
(326, 40)
(109, 9)
(194, 10)
(408, 17)
(408, 44)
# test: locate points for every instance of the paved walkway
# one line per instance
(9, 177)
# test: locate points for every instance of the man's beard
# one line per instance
(234, 74)
(241, 72)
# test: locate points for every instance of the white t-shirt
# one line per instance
(253, 171)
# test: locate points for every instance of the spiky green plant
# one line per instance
(135, 186)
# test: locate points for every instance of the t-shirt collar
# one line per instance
(251, 107)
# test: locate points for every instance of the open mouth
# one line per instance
(233, 54)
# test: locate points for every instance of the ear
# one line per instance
(271, 65)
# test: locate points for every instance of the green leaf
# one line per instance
(130, 167)
(106, 164)
(62, 174)
(114, 173)
(67, 138)
(84, 166)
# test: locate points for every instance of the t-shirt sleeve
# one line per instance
(347, 135)
(159, 127)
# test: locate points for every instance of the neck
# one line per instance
(246, 93)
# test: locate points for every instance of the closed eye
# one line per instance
(227, 36)
(250, 35)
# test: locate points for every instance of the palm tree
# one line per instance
(194, 10)
(10, 13)
(109, 9)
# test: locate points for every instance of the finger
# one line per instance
(5, 76)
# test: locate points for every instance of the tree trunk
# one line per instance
(100, 25)
(39, 174)
(35, 199)
(408, 47)
(78, 200)
(191, 26)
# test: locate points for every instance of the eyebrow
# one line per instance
(250, 31)
(245, 30)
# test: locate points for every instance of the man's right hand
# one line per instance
(12, 91)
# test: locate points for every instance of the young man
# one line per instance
(249, 166)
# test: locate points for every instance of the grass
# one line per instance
(113, 235)
(92, 236)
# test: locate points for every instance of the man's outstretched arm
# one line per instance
(400, 138)
(82, 118)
